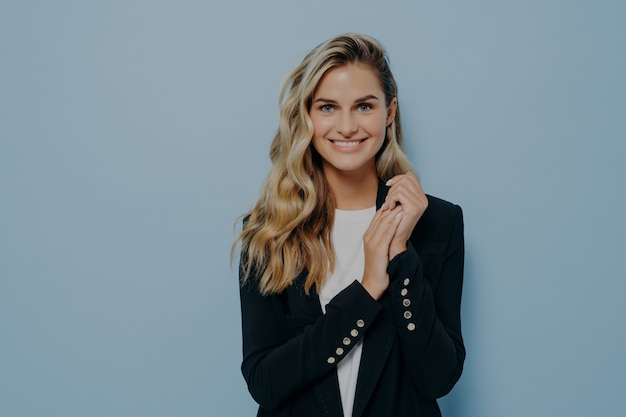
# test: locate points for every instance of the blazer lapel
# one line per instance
(377, 345)
(328, 395)
(306, 309)
(381, 194)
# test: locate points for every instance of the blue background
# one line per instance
(133, 133)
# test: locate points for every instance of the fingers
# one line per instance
(382, 230)
(377, 241)
(405, 193)
(404, 190)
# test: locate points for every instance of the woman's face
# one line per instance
(350, 117)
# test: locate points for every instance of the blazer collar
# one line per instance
(381, 193)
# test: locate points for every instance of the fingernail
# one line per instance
(388, 183)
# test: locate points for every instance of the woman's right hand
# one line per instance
(377, 239)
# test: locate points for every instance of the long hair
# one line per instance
(288, 230)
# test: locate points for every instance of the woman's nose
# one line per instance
(347, 126)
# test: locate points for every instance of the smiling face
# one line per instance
(350, 117)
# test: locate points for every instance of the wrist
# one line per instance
(375, 288)
(395, 248)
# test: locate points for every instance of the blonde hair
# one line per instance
(288, 230)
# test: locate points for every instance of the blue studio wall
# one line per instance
(133, 133)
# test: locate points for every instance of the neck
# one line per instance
(353, 191)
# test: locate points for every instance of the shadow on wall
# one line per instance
(460, 398)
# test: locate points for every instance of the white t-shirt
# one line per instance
(347, 238)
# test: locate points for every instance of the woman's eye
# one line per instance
(364, 107)
(326, 108)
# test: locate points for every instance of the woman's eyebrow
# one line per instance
(368, 97)
(325, 100)
(330, 101)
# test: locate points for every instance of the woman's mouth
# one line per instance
(347, 143)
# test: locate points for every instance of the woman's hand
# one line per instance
(376, 242)
(390, 230)
(405, 194)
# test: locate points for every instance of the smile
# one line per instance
(347, 143)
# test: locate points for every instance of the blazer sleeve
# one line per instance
(278, 363)
(428, 318)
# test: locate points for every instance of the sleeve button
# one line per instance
(354, 332)
(339, 351)
(404, 292)
(410, 326)
(406, 302)
(406, 281)
(346, 341)
(360, 323)
(330, 360)
(408, 315)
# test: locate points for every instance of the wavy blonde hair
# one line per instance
(288, 230)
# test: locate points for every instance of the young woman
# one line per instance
(350, 275)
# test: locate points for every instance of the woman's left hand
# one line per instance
(405, 193)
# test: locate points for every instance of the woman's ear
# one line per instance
(391, 111)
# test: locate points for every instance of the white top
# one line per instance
(347, 238)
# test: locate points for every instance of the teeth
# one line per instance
(345, 144)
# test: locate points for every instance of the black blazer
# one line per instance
(413, 351)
